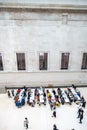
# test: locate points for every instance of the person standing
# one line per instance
(81, 115)
(26, 122)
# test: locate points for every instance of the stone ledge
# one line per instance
(2, 90)
(43, 6)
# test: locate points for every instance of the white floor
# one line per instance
(12, 118)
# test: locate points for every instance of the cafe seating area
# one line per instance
(55, 97)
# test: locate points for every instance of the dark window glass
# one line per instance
(65, 60)
(43, 61)
(1, 63)
(84, 61)
(21, 61)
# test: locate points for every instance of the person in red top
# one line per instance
(19, 90)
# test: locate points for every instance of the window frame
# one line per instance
(2, 62)
(17, 61)
(39, 60)
(62, 65)
(84, 63)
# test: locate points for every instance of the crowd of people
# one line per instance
(55, 98)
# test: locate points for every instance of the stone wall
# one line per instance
(51, 31)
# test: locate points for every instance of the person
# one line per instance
(54, 114)
(54, 92)
(79, 110)
(51, 105)
(25, 88)
(74, 86)
(12, 91)
(18, 91)
(26, 122)
(55, 127)
(81, 115)
(83, 102)
(9, 95)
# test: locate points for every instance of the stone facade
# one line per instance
(34, 30)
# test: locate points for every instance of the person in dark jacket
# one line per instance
(79, 110)
(55, 127)
(54, 114)
(9, 95)
(83, 102)
(81, 115)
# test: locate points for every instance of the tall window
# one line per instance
(43, 57)
(65, 60)
(1, 63)
(64, 18)
(21, 61)
(84, 61)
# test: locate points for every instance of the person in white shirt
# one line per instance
(26, 122)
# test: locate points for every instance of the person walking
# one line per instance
(26, 122)
(81, 115)
(54, 114)
(79, 110)
(55, 127)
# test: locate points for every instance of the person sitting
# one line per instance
(12, 91)
(19, 90)
(48, 94)
(16, 98)
(23, 101)
(58, 103)
(9, 95)
(56, 98)
(54, 92)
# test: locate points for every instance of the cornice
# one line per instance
(43, 6)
